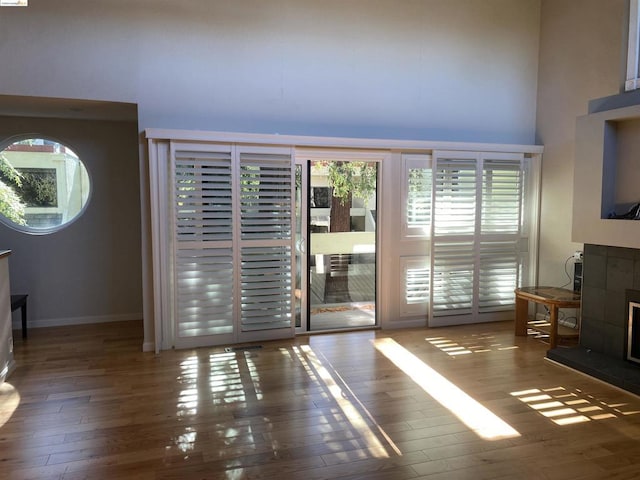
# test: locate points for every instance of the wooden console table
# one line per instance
(554, 298)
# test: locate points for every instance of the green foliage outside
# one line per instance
(39, 187)
(352, 179)
(11, 205)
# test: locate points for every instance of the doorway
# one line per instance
(336, 208)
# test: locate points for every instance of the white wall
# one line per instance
(582, 57)
(459, 70)
(425, 69)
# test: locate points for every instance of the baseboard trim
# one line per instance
(60, 322)
(149, 347)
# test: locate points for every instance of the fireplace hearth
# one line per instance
(611, 282)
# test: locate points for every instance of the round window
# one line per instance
(43, 185)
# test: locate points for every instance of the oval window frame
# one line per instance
(47, 230)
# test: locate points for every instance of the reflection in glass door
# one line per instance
(341, 244)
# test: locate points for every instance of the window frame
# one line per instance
(29, 230)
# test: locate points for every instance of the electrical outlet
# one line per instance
(577, 255)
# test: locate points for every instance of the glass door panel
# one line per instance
(341, 249)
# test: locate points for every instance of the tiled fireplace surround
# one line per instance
(608, 272)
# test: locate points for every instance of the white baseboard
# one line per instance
(149, 347)
(59, 322)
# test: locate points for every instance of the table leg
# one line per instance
(522, 316)
(23, 312)
(553, 333)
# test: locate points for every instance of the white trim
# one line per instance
(63, 321)
(633, 47)
(333, 142)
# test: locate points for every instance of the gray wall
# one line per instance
(582, 57)
(91, 270)
(460, 70)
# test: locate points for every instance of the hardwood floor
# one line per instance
(451, 403)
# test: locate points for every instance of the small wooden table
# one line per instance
(554, 298)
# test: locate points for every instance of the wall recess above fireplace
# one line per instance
(607, 176)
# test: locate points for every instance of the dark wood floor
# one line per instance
(467, 402)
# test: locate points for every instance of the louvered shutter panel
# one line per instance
(203, 244)
(266, 288)
(454, 227)
(418, 184)
(417, 280)
(453, 277)
(477, 229)
(455, 196)
(501, 225)
(266, 226)
(501, 196)
(417, 283)
(499, 265)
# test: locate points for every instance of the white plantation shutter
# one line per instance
(477, 234)
(502, 191)
(453, 277)
(232, 243)
(499, 269)
(203, 253)
(456, 192)
(266, 288)
(501, 232)
(416, 272)
(203, 291)
(418, 184)
(266, 197)
(203, 196)
(266, 226)
(454, 227)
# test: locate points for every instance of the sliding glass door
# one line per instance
(336, 243)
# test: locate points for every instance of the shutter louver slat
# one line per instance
(266, 287)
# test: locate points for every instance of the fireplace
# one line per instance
(605, 181)
(633, 326)
(610, 298)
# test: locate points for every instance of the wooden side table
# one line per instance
(554, 298)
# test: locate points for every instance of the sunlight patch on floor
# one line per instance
(568, 407)
(476, 344)
(351, 409)
(9, 401)
(472, 413)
